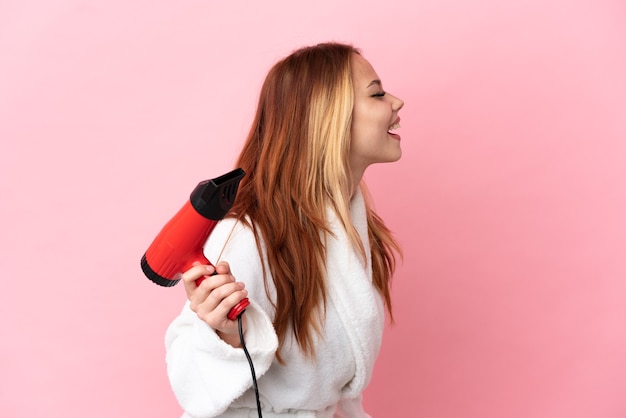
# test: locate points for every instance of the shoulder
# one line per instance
(229, 235)
(234, 242)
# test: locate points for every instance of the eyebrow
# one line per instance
(374, 82)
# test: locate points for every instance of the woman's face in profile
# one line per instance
(374, 117)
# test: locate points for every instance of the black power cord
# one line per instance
(245, 350)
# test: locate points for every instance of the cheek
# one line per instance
(369, 120)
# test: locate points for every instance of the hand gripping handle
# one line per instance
(239, 308)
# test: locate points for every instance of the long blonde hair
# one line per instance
(297, 162)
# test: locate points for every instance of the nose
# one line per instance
(397, 103)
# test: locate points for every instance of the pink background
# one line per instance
(510, 199)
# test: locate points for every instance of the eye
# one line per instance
(381, 94)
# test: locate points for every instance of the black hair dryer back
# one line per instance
(179, 244)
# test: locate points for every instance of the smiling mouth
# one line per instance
(393, 127)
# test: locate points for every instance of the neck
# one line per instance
(357, 176)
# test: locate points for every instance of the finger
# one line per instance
(218, 317)
(222, 267)
(193, 274)
(219, 294)
(211, 291)
(231, 301)
(214, 281)
(215, 308)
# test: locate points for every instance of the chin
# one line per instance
(396, 156)
(392, 158)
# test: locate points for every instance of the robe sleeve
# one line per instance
(207, 374)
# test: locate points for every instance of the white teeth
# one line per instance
(394, 126)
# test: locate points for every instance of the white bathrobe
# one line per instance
(210, 378)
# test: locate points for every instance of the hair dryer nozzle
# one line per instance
(214, 198)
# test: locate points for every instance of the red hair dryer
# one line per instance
(179, 244)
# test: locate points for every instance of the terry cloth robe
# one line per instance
(210, 378)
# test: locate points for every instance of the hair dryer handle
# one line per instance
(239, 308)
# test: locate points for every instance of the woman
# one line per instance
(302, 243)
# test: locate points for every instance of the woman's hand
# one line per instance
(216, 295)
